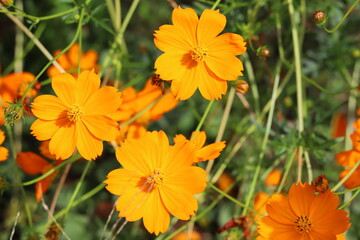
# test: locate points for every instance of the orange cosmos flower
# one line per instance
(208, 152)
(32, 163)
(274, 178)
(77, 116)
(70, 60)
(303, 215)
(194, 235)
(12, 88)
(338, 125)
(157, 179)
(4, 153)
(196, 56)
(260, 200)
(134, 102)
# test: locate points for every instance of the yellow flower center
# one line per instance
(303, 224)
(198, 53)
(74, 113)
(155, 179)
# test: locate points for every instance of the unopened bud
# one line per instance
(13, 113)
(241, 86)
(320, 184)
(319, 17)
(263, 52)
(7, 3)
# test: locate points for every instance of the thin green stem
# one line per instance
(286, 172)
(111, 9)
(347, 191)
(350, 200)
(207, 110)
(215, 4)
(77, 188)
(117, 15)
(53, 59)
(265, 140)
(51, 171)
(342, 19)
(251, 76)
(212, 186)
(352, 170)
(299, 87)
(223, 123)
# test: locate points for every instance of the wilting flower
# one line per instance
(4, 153)
(12, 88)
(135, 102)
(196, 56)
(70, 61)
(157, 179)
(303, 215)
(32, 164)
(77, 117)
(320, 184)
(274, 178)
(202, 153)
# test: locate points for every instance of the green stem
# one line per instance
(77, 188)
(223, 123)
(299, 88)
(352, 170)
(265, 141)
(286, 172)
(111, 9)
(215, 4)
(207, 110)
(251, 76)
(349, 201)
(343, 18)
(56, 57)
(51, 171)
(347, 191)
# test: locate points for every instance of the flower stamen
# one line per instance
(303, 224)
(198, 53)
(155, 179)
(74, 113)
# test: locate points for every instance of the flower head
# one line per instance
(274, 178)
(77, 117)
(303, 215)
(157, 179)
(202, 153)
(196, 56)
(70, 61)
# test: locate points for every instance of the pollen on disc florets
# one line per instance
(198, 53)
(155, 179)
(74, 113)
(303, 224)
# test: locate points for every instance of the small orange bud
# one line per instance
(319, 17)
(241, 86)
(320, 184)
(7, 3)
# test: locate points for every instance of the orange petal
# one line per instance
(44, 130)
(156, 217)
(348, 158)
(210, 86)
(185, 85)
(89, 59)
(353, 181)
(89, 146)
(279, 210)
(73, 55)
(189, 178)
(169, 39)
(63, 142)
(30, 162)
(88, 84)
(121, 180)
(210, 25)
(271, 229)
(102, 127)
(4, 153)
(42, 186)
(64, 85)
(131, 204)
(186, 21)
(47, 107)
(2, 137)
(198, 138)
(210, 151)
(227, 43)
(171, 65)
(225, 66)
(98, 103)
(301, 197)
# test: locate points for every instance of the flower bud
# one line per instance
(241, 86)
(263, 52)
(319, 17)
(320, 184)
(13, 113)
